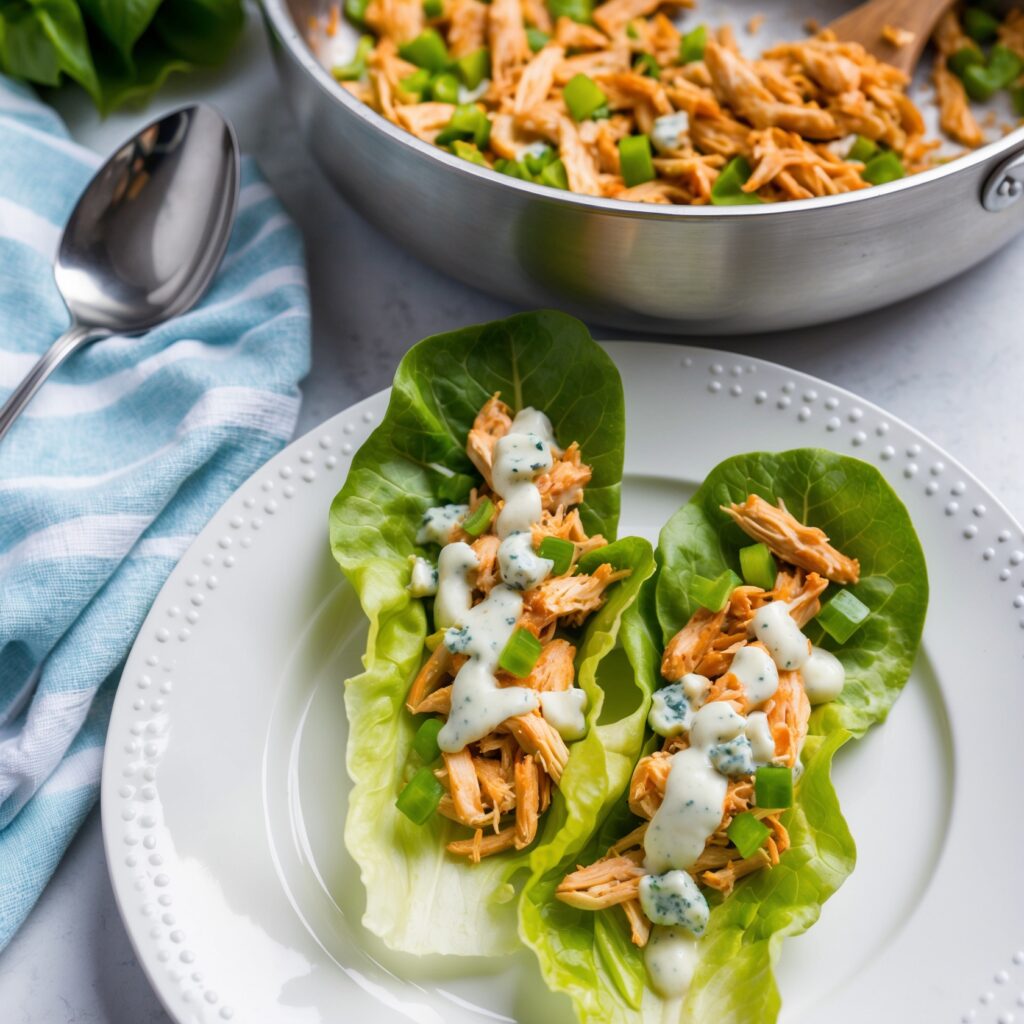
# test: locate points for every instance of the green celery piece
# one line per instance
(583, 96)
(965, 57)
(862, 150)
(747, 833)
(356, 67)
(714, 594)
(727, 189)
(883, 168)
(757, 564)
(554, 175)
(842, 615)
(468, 151)
(536, 38)
(427, 50)
(355, 11)
(691, 46)
(474, 67)
(418, 898)
(635, 162)
(578, 10)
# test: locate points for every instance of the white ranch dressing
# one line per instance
(423, 578)
(694, 793)
(696, 687)
(436, 525)
(530, 420)
(824, 676)
(759, 732)
(479, 705)
(757, 673)
(520, 566)
(518, 458)
(454, 589)
(671, 959)
(776, 629)
(564, 711)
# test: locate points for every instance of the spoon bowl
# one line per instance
(146, 236)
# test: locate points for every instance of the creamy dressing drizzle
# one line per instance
(423, 578)
(454, 589)
(671, 959)
(564, 711)
(759, 732)
(777, 630)
(479, 705)
(756, 671)
(824, 676)
(694, 793)
(436, 525)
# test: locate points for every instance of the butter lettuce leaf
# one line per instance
(589, 956)
(419, 899)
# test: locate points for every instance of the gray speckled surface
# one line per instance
(951, 363)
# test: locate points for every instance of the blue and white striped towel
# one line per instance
(110, 473)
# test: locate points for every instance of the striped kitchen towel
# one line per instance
(111, 471)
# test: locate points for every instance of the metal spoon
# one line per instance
(146, 236)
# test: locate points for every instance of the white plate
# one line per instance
(224, 785)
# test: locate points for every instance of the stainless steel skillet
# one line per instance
(684, 270)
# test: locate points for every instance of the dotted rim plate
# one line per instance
(973, 546)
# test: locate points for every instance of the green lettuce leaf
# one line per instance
(419, 898)
(589, 956)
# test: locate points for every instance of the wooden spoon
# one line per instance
(865, 25)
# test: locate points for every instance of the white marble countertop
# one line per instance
(951, 363)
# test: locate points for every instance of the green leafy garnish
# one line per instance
(117, 50)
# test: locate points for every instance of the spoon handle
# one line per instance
(74, 338)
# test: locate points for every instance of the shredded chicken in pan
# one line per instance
(663, 110)
(499, 785)
(707, 645)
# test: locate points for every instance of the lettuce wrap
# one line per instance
(590, 956)
(419, 899)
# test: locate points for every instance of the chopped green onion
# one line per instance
(455, 489)
(420, 798)
(474, 67)
(862, 150)
(578, 10)
(728, 187)
(445, 88)
(691, 46)
(537, 38)
(842, 616)
(1017, 99)
(713, 594)
(758, 566)
(583, 96)
(536, 162)
(425, 740)
(555, 176)
(747, 833)
(635, 163)
(355, 11)
(427, 50)
(964, 58)
(468, 151)
(980, 25)
(773, 787)
(356, 67)
(883, 168)
(559, 551)
(645, 64)
(480, 518)
(520, 653)
(433, 8)
(468, 123)
(416, 84)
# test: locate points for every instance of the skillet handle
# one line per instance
(1005, 185)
